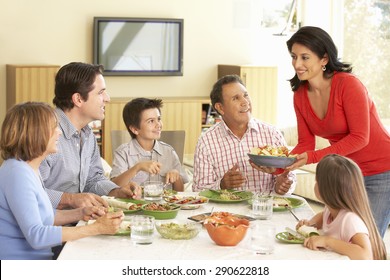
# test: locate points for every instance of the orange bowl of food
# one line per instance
(225, 229)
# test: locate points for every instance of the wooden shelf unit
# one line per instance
(34, 83)
(97, 129)
(30, 83)
(262, 85)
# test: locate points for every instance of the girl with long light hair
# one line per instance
(347, 223)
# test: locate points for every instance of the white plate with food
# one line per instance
(187, 202)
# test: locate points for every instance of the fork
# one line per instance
(289, 208)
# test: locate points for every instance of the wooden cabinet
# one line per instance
(262, 85)
(177, 114)
(209, 116)
(97, 129)
(30, 83)
(36, 83)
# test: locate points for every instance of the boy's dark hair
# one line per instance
(133, 109)
(71, 78)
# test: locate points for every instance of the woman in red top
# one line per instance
(332, 103)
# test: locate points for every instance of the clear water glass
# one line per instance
(142, 229)
(262, 238)
(262, 206)
(153, 190)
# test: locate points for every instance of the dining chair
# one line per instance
(175, 138)
(118, 137)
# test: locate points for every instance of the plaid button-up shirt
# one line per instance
(218, 149)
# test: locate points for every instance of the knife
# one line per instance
(296, 234)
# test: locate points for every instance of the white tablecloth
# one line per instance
(199, 248)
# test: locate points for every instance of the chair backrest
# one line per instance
(175, 138)
(118, 137)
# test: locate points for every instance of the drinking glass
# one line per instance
(262, 238)
(262, 206)
(142, 229)
(153, 190)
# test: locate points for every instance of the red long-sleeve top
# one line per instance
(351, 125)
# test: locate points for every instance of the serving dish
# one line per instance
(178, 231)
(225, 229)
(272, 161)
(161, 211)
(215, 195)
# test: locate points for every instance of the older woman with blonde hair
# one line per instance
(29, 226)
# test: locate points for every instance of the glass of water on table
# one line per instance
(153, 190)
(262, 206)
(142, 229)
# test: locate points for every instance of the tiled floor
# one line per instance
(318, 207)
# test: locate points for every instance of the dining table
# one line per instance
(202, 247)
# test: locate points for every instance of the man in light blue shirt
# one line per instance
(74, 176)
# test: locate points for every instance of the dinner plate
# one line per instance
(288, 238)
(140, 202)
(186, 205)
(123, 232)
(215, 196)
(272, 161)
(169, 192)
(294, 203)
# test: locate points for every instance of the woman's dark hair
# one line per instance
(133, 109)
(216, 92)
(74, 77)
(320, 43)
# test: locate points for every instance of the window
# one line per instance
(366, 46)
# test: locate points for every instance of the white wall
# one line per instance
(215, 32)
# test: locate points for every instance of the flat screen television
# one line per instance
(139, 46)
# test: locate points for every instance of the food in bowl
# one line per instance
(161, 211)
(225, 229)
(172, 230)
(268, 150)
(271, 156)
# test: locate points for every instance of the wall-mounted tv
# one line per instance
(139, 46)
